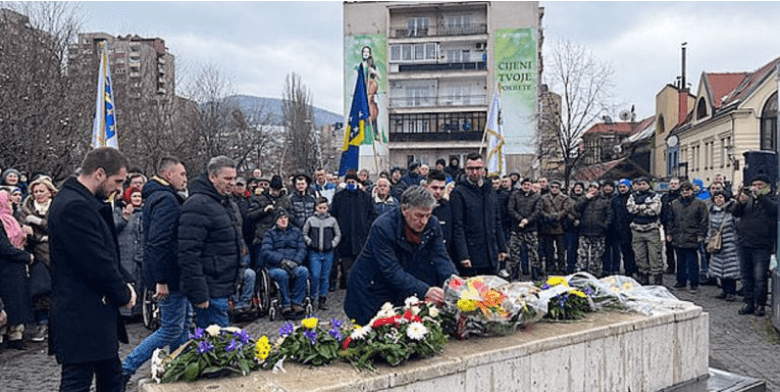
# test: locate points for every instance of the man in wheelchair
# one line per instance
(283, 253)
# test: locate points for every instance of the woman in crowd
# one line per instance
(129, 232)
(34, 212)
(14, 262)
(11, 178)
(725, 263)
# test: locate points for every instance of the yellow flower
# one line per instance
(557, 280)
(310, 322)
(578, 293)
(466, 305)
(628, 286)
(262, 348)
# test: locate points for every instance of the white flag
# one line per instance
(495, 137)
(104, 125)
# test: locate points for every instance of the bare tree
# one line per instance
(303, 142)
(583, 83)
(44, 112)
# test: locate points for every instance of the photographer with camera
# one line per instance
(756, 209)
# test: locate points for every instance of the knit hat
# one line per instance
(9, 171)
(761, 177)
(129, 193)
(555, 183)
(608, 182)
(280, 213)
(624, 181)
(276, 182)
(441, 161)
(240, 181)
(686, 186)
(642, 179)
(413, 165)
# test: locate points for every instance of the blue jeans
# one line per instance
(280, 276)
(572, 241)
(248, 289)
(320, 264)
(705, 260)
(216, 313)
(688, 266)
(754, 266)
(174, 309)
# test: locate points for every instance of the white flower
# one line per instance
(159, 364)
(387, 310)
(213, 329)
(433, 311)
(411, 301)
(416, 331)
(360, 333)
(232, 329)
(415, 310)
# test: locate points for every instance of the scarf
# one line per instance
(42, 209)
(411, 236)
(12, 228)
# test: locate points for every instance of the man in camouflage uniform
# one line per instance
(555, 208)
(595, 217)
(525, 208)
(645, 207)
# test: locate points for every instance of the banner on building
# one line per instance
(516, 73)
(104, 124)
(370, 51)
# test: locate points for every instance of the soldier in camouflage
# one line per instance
(525, 209)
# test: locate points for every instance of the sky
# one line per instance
(256, 44)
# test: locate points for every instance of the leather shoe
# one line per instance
(747, 309)
(679, 285)
(760, 311)
(722, 295)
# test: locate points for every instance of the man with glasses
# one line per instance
(477, 237)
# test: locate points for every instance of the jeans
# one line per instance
(547, 241)
(688, 266)
(320, 265)
(247, 289)
(629, 263)
(754, 266)
(282, 278)
(705, 260)
(572, 243)
(610, 260)
(77, 377)
(216, 313)
(174, 326)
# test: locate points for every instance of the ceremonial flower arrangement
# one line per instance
(395, 335)
(213, 352)
(564, 302)
(475, 306)
(311, 342)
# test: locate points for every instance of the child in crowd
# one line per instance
(321, 233)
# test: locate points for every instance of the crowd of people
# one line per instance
(77, 255)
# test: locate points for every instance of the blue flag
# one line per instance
(104, 124)
(356, 126)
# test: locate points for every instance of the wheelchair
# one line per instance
(150, 310)
(258, 305)
(274, 297)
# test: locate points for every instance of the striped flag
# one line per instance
(495, 136)
(356, 126)
(104, 125)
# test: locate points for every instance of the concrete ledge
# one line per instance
(607, 351)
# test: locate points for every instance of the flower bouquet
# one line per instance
(211, 353)
(477, 307)
(312, 342)
(565, 302)
(395, 335)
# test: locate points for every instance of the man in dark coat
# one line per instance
(453, 169)
(525, 208)
(301, 201)
(262, 210)
(756, 209)
(436, 183)
(688, 225)
(355, 212)
(412, 177)
(284, 251)
(210, 243)
(666, 212)
(622, 225)
(476, 224)
(160, 220)
(595, 214)
(88, 285)
(555, 210)
(403, 257)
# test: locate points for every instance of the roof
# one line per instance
(622, 128)
(623, 167)
(751, 82)
(722, 85)
(644, 129)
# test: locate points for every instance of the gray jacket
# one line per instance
(321, 233)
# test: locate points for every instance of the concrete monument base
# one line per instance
(606, 351)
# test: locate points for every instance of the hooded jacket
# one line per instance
(160, 221)
(689, 222)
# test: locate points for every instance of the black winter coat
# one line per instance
(13, 284)
(689, 222)
(443, 213)
(595, 216)
(302, 208)
(160, 220)
(757, 226)
(525, 206)
(621, 217)
(265, 220)
(88, 286)
(210, 243)
(503, 210)
(391, 269)
(476, 227)
(355, 213)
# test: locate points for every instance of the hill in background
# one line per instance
(274, 107)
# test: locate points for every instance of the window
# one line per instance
(395, 53)
(769, 124)
(701, 109)
(413, 52)
(458, 21)
(417, 26)
(417, 96)
(660, 126)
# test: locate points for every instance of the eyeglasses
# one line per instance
(474, 168)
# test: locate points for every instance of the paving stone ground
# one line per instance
(745, 345)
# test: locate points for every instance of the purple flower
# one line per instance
(335, 333)
(545, 286)
(232, 345)
(286, 329)
(588, 291)
(311, 334)
(562, 303)
(204, 347)
(198, 334)
(336, 323)
(242, 335)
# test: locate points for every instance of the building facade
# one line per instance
(431, 71)
(731, 113)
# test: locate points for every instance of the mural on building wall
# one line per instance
(371, 51)
(516, 74)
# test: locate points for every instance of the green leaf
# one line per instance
(191, 372)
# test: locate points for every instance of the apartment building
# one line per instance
(431, 69)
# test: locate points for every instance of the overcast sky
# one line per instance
(257, 44)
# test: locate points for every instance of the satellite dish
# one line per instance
(607, 119)
(672, 141)
(624, 115)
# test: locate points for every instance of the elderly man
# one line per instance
(210, 243)
(404, 256)
(383, 200)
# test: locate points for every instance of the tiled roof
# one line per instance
(723, 84)
(624, 128)
(751, 82)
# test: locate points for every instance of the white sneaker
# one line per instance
(503, 273)
(40, 334)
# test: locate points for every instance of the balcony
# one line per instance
(440, 31)
(435, 136)
(468, 66)
(438, 101)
